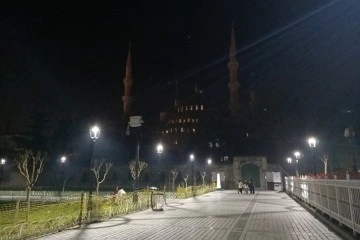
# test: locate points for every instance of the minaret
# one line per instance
(128, 81)
(233, 65)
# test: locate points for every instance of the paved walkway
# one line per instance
(217, 215)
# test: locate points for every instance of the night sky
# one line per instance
(68, 58)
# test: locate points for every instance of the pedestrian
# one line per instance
(240, 186)
(246, 187)
(251, 187)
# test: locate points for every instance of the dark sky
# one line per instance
(69, 57)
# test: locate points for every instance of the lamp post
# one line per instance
(159, 149)
(2, 164)
(94, 135)
(297, 157)
(209, 166)
(136, 122)
(192, 158)
(62, 161)
(312, 143)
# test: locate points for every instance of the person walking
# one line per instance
(240, 186)
(251, 187)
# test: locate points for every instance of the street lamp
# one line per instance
(2, 164)
(297, 157)
(289, 159)
(94, 135)
(192, 158)
(159, 149)
(209, 161)
(62, 161)
(312, 143)
(136, 122)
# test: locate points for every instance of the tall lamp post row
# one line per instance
(312, 141)
(297, 155)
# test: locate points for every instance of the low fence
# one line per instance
(185, 192)
(340, 199)
(50, 212)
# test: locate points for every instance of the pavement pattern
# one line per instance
(217, 215)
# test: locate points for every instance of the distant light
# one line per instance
(94, 133)
(3, 161)
(312, 142)
(209, 161)
(348, 111)
(289, 160)
(192, 157)
(265, 109)
(63, 159)
(297, 154)
(159, 148)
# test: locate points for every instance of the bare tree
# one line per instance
(97, 169)
(325, 159)
(174, 174)
(203, 174)
(185, 180)
(30, 166)
(132, 167)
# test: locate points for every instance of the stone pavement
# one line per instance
(216, 215)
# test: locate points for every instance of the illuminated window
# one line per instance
(188, 119)
(197, 120)
(202, 107)
(196, 107)
(191, 108)
(179, 120)
(182, 129)
(175, 142)
(171, 130)
(186, 108)
(194, 130)
(192, 120)
(167, 131)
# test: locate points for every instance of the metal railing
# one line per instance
(339, 199)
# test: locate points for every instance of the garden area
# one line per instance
(53, 214)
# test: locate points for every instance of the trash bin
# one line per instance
(157, 201)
